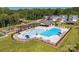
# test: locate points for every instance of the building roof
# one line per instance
(46, 22)
(61, 17)
(72, 17)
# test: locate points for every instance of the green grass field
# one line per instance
(7, 44)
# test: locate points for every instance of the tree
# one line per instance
(59, 11)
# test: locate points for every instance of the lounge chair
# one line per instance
(27, 36)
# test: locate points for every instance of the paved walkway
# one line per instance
(6, 35)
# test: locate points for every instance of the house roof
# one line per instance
(46, 22)
(55, 17)
(72, 17)
(64, 17)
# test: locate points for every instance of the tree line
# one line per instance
(10, 17)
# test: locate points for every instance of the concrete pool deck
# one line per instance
(51, 40)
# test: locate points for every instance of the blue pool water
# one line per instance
(33, 32)
(53, 31)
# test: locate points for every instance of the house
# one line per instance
(46, 22)
(54, 17)
(61, 18)
(73, 18)
(49, 20)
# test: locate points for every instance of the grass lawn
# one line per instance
(69, 41)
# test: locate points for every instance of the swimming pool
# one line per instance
(51, 32)
(47, 34)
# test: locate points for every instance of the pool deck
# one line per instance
(51, 40)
